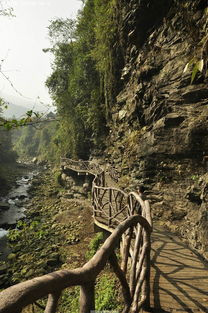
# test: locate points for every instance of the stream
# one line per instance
(13, 207)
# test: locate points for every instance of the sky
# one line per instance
(22, 39)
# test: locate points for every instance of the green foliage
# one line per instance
(61, 30)
(106, 296)
(103, 52)
(3, 104)
(70, 300)
(57, 177)
(6, 150)
(198, 64)
(6, 11)
(30, 141)
(94, 245)
(33, 239)
(30, 117)
(81, 83)
(14, 235)
(195, 178)
(106, 291)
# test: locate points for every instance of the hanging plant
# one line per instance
(198, 62)
(197, 66)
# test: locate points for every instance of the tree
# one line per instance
(5, 10)
(75, 84)
(61, 30)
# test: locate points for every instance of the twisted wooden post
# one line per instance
(110, 207)
(126, 246)
(135, 204)
(122, 278)
(146, 285)
(15, 298)
(87, 297)
(52, 302)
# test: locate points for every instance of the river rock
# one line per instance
(77, 189)
(86, 187)
(63, 176)
(193, 194)
(4, 206)
(18, 203)
(78, 195)
(41, 162)
(52, 193)
(21, 197)
(35, 160)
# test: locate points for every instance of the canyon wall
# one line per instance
(159, 119)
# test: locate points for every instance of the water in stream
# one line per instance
(16, 199)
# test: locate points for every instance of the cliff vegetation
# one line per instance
(129, 81)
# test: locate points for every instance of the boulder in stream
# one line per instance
(4, 206)
(34, 160)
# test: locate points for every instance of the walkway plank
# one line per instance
(179, 279)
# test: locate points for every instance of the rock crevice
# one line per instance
(159, 120)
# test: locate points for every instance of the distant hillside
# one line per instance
(14, 110)
(18, 106)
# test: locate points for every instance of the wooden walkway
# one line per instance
(179, 279)
(176, 283)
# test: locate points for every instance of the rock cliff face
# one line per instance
(159, 121)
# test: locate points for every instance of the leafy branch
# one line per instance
(31, 117)
(9, 12)
(9, 124)
(197, 66)
(198, 62)
(26, 121)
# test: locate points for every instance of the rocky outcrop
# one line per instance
(197, 218)
(4, 206)
(159, 121)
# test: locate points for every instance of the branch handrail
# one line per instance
(126, 205)
(119, 209)
(82, 166)
(146, 212)
(14, 298)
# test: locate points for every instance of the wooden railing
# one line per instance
(81, 166)
(113, 174)
(111, 206)
(133, 232)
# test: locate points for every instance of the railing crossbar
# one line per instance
(117, 208)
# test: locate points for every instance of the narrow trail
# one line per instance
(179, 279)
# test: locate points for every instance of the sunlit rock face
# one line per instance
(159, 120)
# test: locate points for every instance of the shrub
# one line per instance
(94, 245)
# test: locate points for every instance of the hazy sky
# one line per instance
(22, 39)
